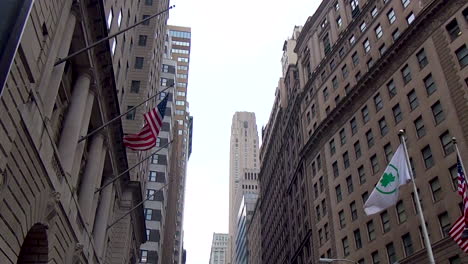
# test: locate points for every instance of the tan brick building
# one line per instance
(365, 70)
(49, 210)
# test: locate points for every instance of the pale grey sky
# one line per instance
(235, 66)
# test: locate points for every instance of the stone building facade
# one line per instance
(49, 209)
(365, 70)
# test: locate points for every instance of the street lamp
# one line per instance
(327, 260)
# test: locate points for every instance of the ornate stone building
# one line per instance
(365, 70)
(49, 210)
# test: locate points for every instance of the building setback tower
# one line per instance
(365, 70)
(219, 247)
(244, 166)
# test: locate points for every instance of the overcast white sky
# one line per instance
(235, 66)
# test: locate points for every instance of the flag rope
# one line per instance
(118, 117)
(129, 169)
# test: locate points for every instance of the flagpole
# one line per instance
(111, 36)
(136, 206)
(454, 141)
(427, 241)
(118, 117)
(134, 166)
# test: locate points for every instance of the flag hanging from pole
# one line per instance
(385, 193)
(459, 230)
(146, 138)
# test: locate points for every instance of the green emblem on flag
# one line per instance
(388, 184)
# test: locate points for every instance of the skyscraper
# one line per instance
(219, 247)
(244, 167)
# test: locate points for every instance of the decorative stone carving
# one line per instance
(51, 210)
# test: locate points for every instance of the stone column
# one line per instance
(73, 125)
(81, 146)
(49, 93)
(92, 174)
(102, 219)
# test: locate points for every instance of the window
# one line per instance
(326, 45)
(358, 76)
(336, 6)
(454, 174)
(332, 64)
(327, 231)
(375, 257)
(349, 183)
(343, 137)
(341, 52)
(339, 22)
(342, 219)
(131, 114)
(405, 4)
(109, 19)
(436, 189)
(430, 85)
(142, 40)
(391, 89)
(462, 55)
(427, 157)
(384, 217)
(375, 164)
(148, 2)
(355, 58)
(334, 83)
(370, 138)
(364, 197)
(357, 238)
(406, 74)
(320, 235)
(455, 260)
(413, 99)
(365, 114)
(388, 152)
(422, 59)
(363, 26)
(357, 149)
(383, 126)
(144, 256)
(119, 18)
(325, 94)
(346, 160)
(366, 45)
(146, 23)
(419, 125)
(371, 230)
(407, 244)
(354, 8)
(374, 12)
(152, 176)
(378, 102)
(180, 102)
(401, 213)
(438, 113)
(410, 18)
(395, 34)
(370, 63)
(336, 171)
(332, 147)
(139, 62)
(391, 254)
(391, 16)
(135, 86)
(447, 144)
(344, 71)
(351, 40)
(339, 196)
(362, 175)
(113, 46)
(345, 243)
(378, 31)
(318, 212)
(445, 224)
(353, 209)
(353, 124)
(155, 159)
(397, 114)
(453, 29)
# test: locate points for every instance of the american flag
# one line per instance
(146, 138)
(461, 225)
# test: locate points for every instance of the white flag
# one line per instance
(385, 193)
